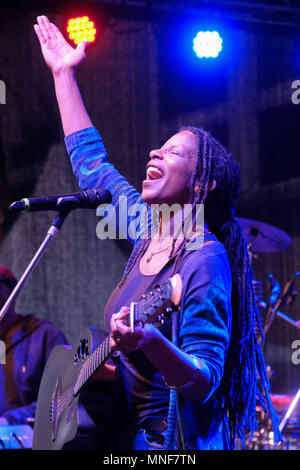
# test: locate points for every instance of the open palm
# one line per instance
(58, 53)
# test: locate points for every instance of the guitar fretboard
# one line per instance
(95, 360)
(160, 296)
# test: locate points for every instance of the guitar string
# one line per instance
(156, 294)
(140, 306)
(104, 347)
(67, 394)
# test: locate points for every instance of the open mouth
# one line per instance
(154, 173)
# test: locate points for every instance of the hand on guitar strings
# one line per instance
(121, 336)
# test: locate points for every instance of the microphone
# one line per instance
(88, 199)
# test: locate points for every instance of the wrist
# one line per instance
(150, 338)
(190, 381)
(65, 73)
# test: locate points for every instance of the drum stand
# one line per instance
(289, 411)
(262, 237)
(274, 311)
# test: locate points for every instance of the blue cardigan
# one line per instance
(203, 324)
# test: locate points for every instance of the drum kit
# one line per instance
(264, 238)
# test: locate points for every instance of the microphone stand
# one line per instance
(56, 225)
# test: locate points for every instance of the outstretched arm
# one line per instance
(63, 59)
(84, 144)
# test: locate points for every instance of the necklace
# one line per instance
(153, 253)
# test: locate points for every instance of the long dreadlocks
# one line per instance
(245, 378)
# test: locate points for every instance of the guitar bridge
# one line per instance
(54, 410)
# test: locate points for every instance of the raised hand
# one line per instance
(59, 55)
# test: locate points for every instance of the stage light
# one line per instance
(81, 29)
(207, 44)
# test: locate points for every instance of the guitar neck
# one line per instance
(93, 362)
(147, 309)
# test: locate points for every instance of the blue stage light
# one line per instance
(207, 44)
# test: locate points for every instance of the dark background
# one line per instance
(140, 82)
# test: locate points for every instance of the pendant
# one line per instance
(149, 258)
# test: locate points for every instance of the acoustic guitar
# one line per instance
(69, 368)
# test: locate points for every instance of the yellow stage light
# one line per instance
(81, 29)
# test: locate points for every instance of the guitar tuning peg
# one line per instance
(168, 311)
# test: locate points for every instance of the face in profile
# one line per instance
(170, 170)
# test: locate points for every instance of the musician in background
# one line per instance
(28, 343)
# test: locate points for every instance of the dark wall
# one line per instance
(139, 85)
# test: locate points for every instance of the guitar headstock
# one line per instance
(160, 301)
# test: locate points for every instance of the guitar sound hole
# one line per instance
(82, 351)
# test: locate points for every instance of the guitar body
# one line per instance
(70, 367)
(56, 419)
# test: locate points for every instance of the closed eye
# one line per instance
(172, 151)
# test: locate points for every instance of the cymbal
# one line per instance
(263, 237)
